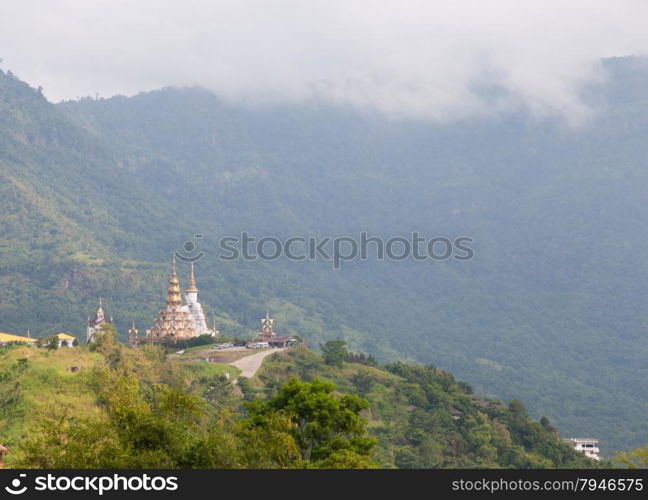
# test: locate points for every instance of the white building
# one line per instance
(587, 446)
(95, 324)
(64, 339)
(194, 309)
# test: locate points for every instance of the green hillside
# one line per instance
(38, 383)
(121, 407)
(424, 418)
(97, 194)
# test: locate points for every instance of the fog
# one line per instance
(437, 60)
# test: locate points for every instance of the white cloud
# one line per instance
(424, 59)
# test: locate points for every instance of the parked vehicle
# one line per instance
(257, 345)
(223, 346)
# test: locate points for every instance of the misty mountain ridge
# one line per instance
(97, 194)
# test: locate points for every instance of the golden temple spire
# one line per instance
(192, 288)
(173, 292)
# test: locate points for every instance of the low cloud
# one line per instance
(408, 59)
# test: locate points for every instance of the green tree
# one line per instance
(157, 426)
(635, 459)
(328, 429)
(269, 446)
(107, 338)
(249, 393)
(334, 352)
(52, 343)
(363, 383)
(219, 392)
(306, 367)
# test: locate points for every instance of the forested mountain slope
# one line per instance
(136, 408)
(97, 194)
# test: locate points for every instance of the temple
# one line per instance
(95, 324)
(177, 321)
(193, 307)
(266, 334)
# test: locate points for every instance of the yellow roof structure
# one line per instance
(64, 336)
(8, 337)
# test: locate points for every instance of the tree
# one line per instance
(517, 408)
(269, 446)
(106, 338)
(635, 459)
(363, 383)
(546, 425)
(334, 352)
(306, 367)
(249, 393)
(328, 430)
(345, 459)
(219, 392)
(52, 343)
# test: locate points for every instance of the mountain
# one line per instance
(136, 408)
(97, 195)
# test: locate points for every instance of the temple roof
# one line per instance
(99, 316)
(173, 292)
(192, 288)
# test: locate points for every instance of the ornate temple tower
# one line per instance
(194, 308)
(94, 324)
(267, 333)
(173, 323)
(133, 336)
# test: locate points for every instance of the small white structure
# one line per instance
(587, 446)
(64, 339)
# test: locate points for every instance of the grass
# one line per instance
(192, 351)
(206, 351)
(283, 366)
(45, 387)
(199, 369)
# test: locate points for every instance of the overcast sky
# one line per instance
(429, 59)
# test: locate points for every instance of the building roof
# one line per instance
(64, 336)
(8, 337)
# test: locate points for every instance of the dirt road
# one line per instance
(250, 364)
